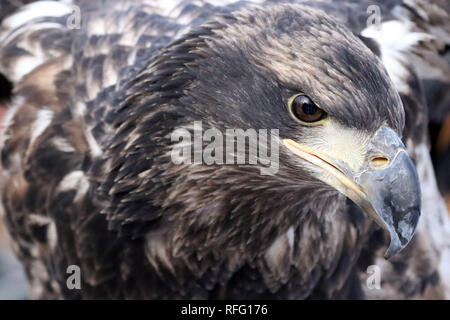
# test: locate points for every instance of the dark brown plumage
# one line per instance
(88, 179)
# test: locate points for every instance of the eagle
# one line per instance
(88, 178)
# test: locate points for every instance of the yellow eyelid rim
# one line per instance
(308, 124)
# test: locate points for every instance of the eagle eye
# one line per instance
(303, 109)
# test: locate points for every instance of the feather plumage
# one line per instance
(86, 180)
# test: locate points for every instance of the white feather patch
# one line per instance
(157, 252)
(24, 64)
(96, 150)
(281, 252)
(11, 34)
(52, 236)
(76, 180)
(434, 222)
(8, 118)
(396, 41)
(80, 109)
(62, 144)
(35, 10)
(43, 119)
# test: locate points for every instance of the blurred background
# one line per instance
(13, 284)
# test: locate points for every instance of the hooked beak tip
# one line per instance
(395, 195)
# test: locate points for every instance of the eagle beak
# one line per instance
(386, 187)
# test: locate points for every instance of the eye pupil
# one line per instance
(309, 109)
(303, 109)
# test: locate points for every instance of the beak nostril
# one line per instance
(379, 162)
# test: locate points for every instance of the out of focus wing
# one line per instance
(413, 43)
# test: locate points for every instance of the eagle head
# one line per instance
(289, 68)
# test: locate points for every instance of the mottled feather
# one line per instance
(87, 181)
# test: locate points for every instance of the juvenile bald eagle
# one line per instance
(88, 180)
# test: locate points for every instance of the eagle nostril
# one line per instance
(379, 162)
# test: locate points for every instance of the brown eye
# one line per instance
(305, 110)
